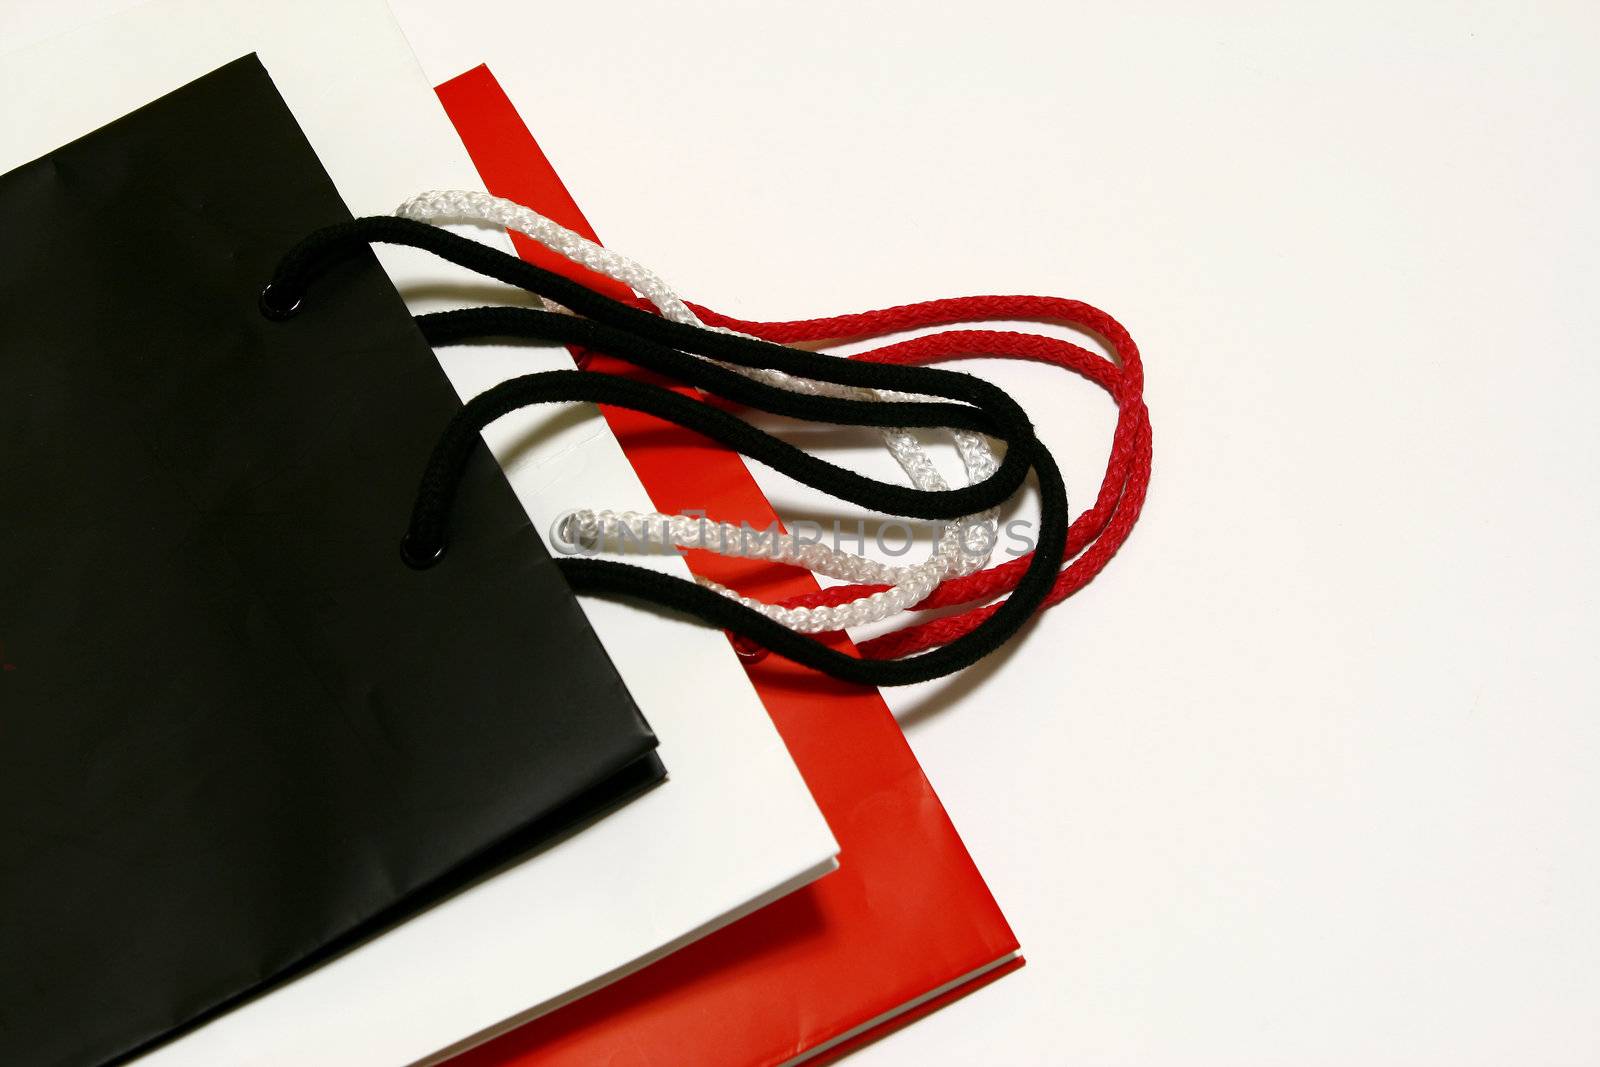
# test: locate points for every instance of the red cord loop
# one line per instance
(1097, 534)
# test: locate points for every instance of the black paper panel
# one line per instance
(236, 732)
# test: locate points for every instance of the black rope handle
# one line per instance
(482, 323)
(656, 343)
(286, 294)
(425, 540)
(979, 404)
(891, 498)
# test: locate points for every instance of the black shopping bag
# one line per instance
(236, 732)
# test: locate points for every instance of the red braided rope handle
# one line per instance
(1097, 534)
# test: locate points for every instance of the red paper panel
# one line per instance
(906, 913)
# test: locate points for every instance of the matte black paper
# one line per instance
(236, 732)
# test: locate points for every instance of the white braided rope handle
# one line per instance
(963, 546)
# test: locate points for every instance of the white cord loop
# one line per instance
(964, 546)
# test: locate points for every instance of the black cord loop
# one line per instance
(661, 345)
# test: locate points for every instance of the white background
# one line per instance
(1309, 775)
